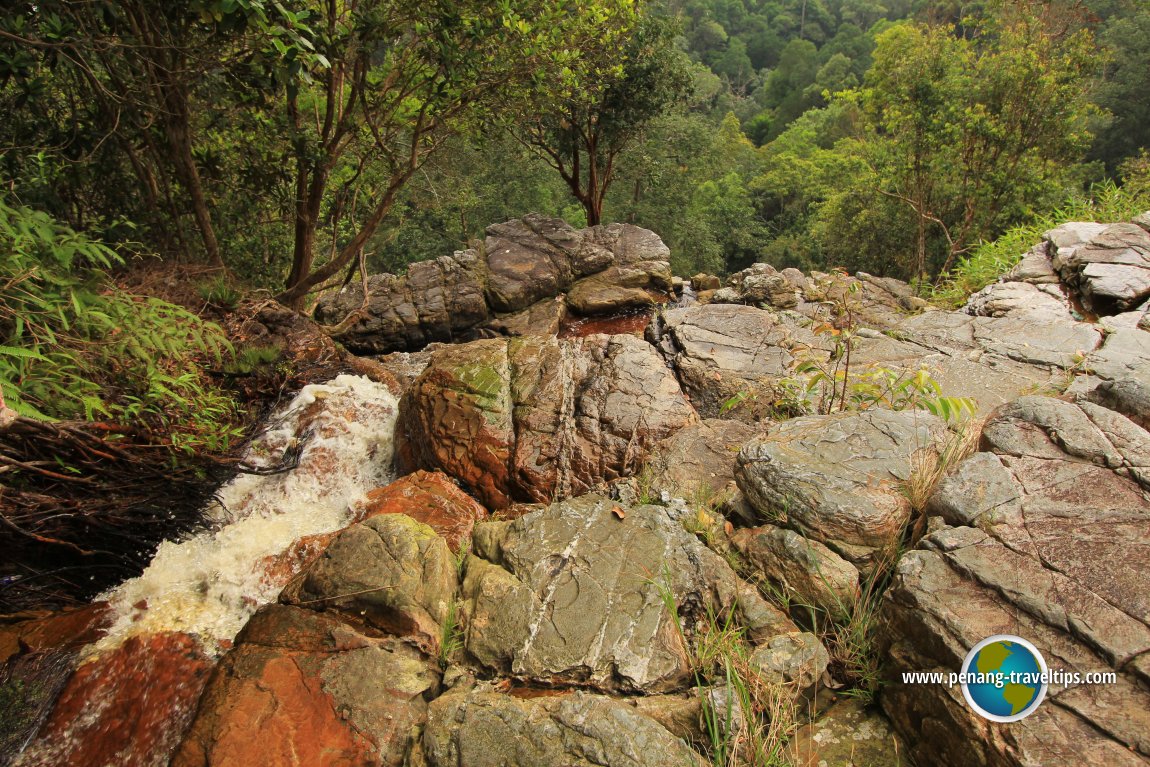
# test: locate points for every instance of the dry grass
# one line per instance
(930, 464)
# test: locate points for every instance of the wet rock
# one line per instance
(805, 569)
(302, 688)
(484, 729)
(1049, 545)
(847, 735)
(429, 497)
(534, 419)
(836, 478)
(394, 571)
(41, 631)
(128, 707)
(406, 366)
(576, 594)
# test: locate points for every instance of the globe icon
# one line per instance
(1004, 678)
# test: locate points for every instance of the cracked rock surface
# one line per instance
(1051, 542)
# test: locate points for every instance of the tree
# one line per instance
(401, 77)
(967, 131)
(584, 137)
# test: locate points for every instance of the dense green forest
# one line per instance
(285, 145)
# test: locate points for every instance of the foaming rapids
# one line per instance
(211, 583)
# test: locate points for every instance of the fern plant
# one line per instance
(72, 345)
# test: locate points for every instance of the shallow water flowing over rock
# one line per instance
(210, 584)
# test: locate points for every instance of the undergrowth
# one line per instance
(1106, 203)
(73, 346)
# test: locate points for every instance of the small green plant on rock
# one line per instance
(746, 719)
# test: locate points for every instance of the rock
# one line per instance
(698, 461)
(302, 688)
(437, 300)
(1125, 354)
(807, 570)
(39, 651)
(1129, 396)
(773, 289)
(837, 478)
(1035, 267)
(484, 729)
(729, 357)
(392, 570)
(309, 350)
(129, 707)
(1060, 344)
(42, 631)
(576, 594)
(522, 266)
(542, 318)
(1020, 299)
(705, 282)
(797, 659)
(1050, 545)
(987, 378)
(429, 497)
(534, 419)
(881, 303)
(847, 735)
(1109, 266)
(405, 367)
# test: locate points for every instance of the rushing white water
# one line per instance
(211, 583)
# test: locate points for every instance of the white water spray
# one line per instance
(209, 584)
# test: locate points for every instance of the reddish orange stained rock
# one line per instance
(281, 568)
(278, 717)
(429, 497)
(303, 689)
(64, 630)
(129, 707)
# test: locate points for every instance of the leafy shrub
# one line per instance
(72, 345)
(1107, 202)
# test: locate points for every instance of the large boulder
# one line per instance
(129, 706)
(488, 729)
(534, 419)
(847, 735)
(437, 300)
(805, 570)
(1049, 542)
(838, 478)
(395, 572)
(303, 688)
(729, 357)
(1108, 266)
(429, 497)
(579, 594)
(698, 461)
(504, 286)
